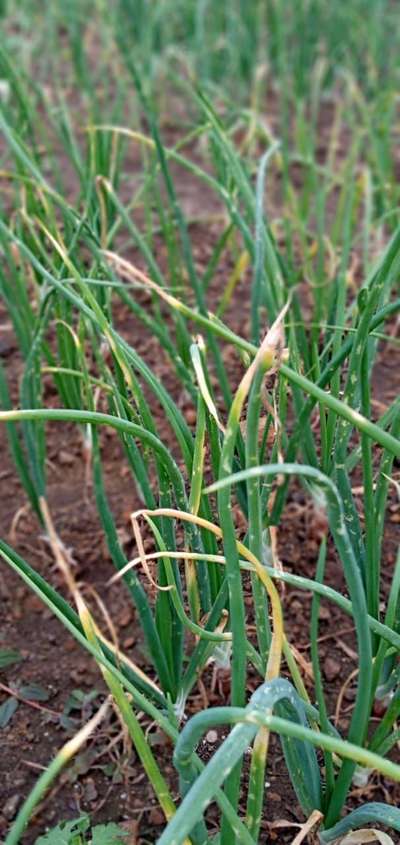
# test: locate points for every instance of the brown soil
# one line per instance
(109, 782)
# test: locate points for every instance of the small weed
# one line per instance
(80, 832)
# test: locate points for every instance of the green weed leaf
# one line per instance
(7, 710)
(33, 692)
(76, 832)
(108, 834)
(66, 833)
(9, 656)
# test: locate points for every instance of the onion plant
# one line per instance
(289, 397)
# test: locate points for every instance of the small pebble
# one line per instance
(324, 614)
(191, 416)
(332, 668)
(125, 617)
(156, 817)
(10, 807)
(212, 737)
(90, 792)
(65, 458)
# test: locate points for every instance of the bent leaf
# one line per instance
(370, 813)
